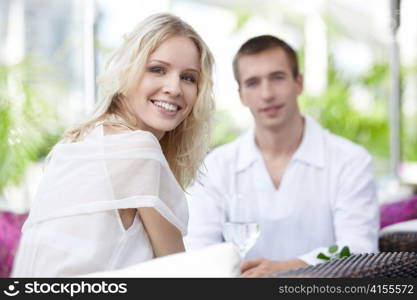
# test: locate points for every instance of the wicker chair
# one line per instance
(398, 241)
(372, 265)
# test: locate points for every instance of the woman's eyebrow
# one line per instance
(160, 61)
(168, 64)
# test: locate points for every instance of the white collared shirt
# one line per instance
(327, 196)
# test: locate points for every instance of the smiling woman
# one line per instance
(113, 190)
(167, 90)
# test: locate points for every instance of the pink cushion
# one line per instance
(399, 211)
(10, 226)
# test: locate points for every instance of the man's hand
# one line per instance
(258, 267)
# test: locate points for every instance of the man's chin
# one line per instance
(272, 124)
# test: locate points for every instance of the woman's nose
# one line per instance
(172, 85)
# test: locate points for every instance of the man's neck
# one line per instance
(282, 141)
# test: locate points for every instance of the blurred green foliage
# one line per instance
(28, 122)
(334, 110)
(224, 129)
(242, 16)
(369, 127)
(409, 139)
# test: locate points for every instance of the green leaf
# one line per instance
(345, 252)
(333, 249)
(323, 257)
(29, 121)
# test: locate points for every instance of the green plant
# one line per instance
(224, 130)
(242, 16)
(333, 254)
(28, 122)
(334, 110)
(369, 128)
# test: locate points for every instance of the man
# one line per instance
(311, 189)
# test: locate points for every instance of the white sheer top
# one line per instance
(74, 226)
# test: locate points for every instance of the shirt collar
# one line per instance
(311, 149)
(248, 152)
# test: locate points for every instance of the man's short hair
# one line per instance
(261, 43)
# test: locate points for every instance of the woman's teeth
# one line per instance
(167, 106)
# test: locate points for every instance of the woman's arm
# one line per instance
(164, 236)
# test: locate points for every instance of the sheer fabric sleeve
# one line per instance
(139, 176)
(102, 173)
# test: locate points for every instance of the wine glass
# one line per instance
(241, 225)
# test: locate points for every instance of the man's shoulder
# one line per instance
(229, 151)
(343, 147)
(222, 159)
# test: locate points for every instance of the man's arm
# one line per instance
(355, 209)
(258, 267)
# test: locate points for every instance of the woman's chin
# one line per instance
(165, 126)
(160, 129)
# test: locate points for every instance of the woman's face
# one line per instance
(167, 91)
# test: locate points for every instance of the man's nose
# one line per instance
(267, 93)
(172, 85)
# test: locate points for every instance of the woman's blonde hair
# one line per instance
(185, 146)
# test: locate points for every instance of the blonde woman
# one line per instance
(112, 193)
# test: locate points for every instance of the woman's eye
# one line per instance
(157, 70)
(189, 78)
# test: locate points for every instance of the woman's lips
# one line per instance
(164, 111)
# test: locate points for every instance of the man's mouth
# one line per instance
(272, 109)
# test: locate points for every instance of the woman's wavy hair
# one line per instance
(185, 146)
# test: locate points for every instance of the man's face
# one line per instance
(268, 88)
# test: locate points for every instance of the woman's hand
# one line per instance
(258, 267)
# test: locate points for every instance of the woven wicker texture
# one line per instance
(398, 241)
(384, 264)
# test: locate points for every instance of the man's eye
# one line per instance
(189, 78)
(278, 77)
(158, 70)
(251, 83)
